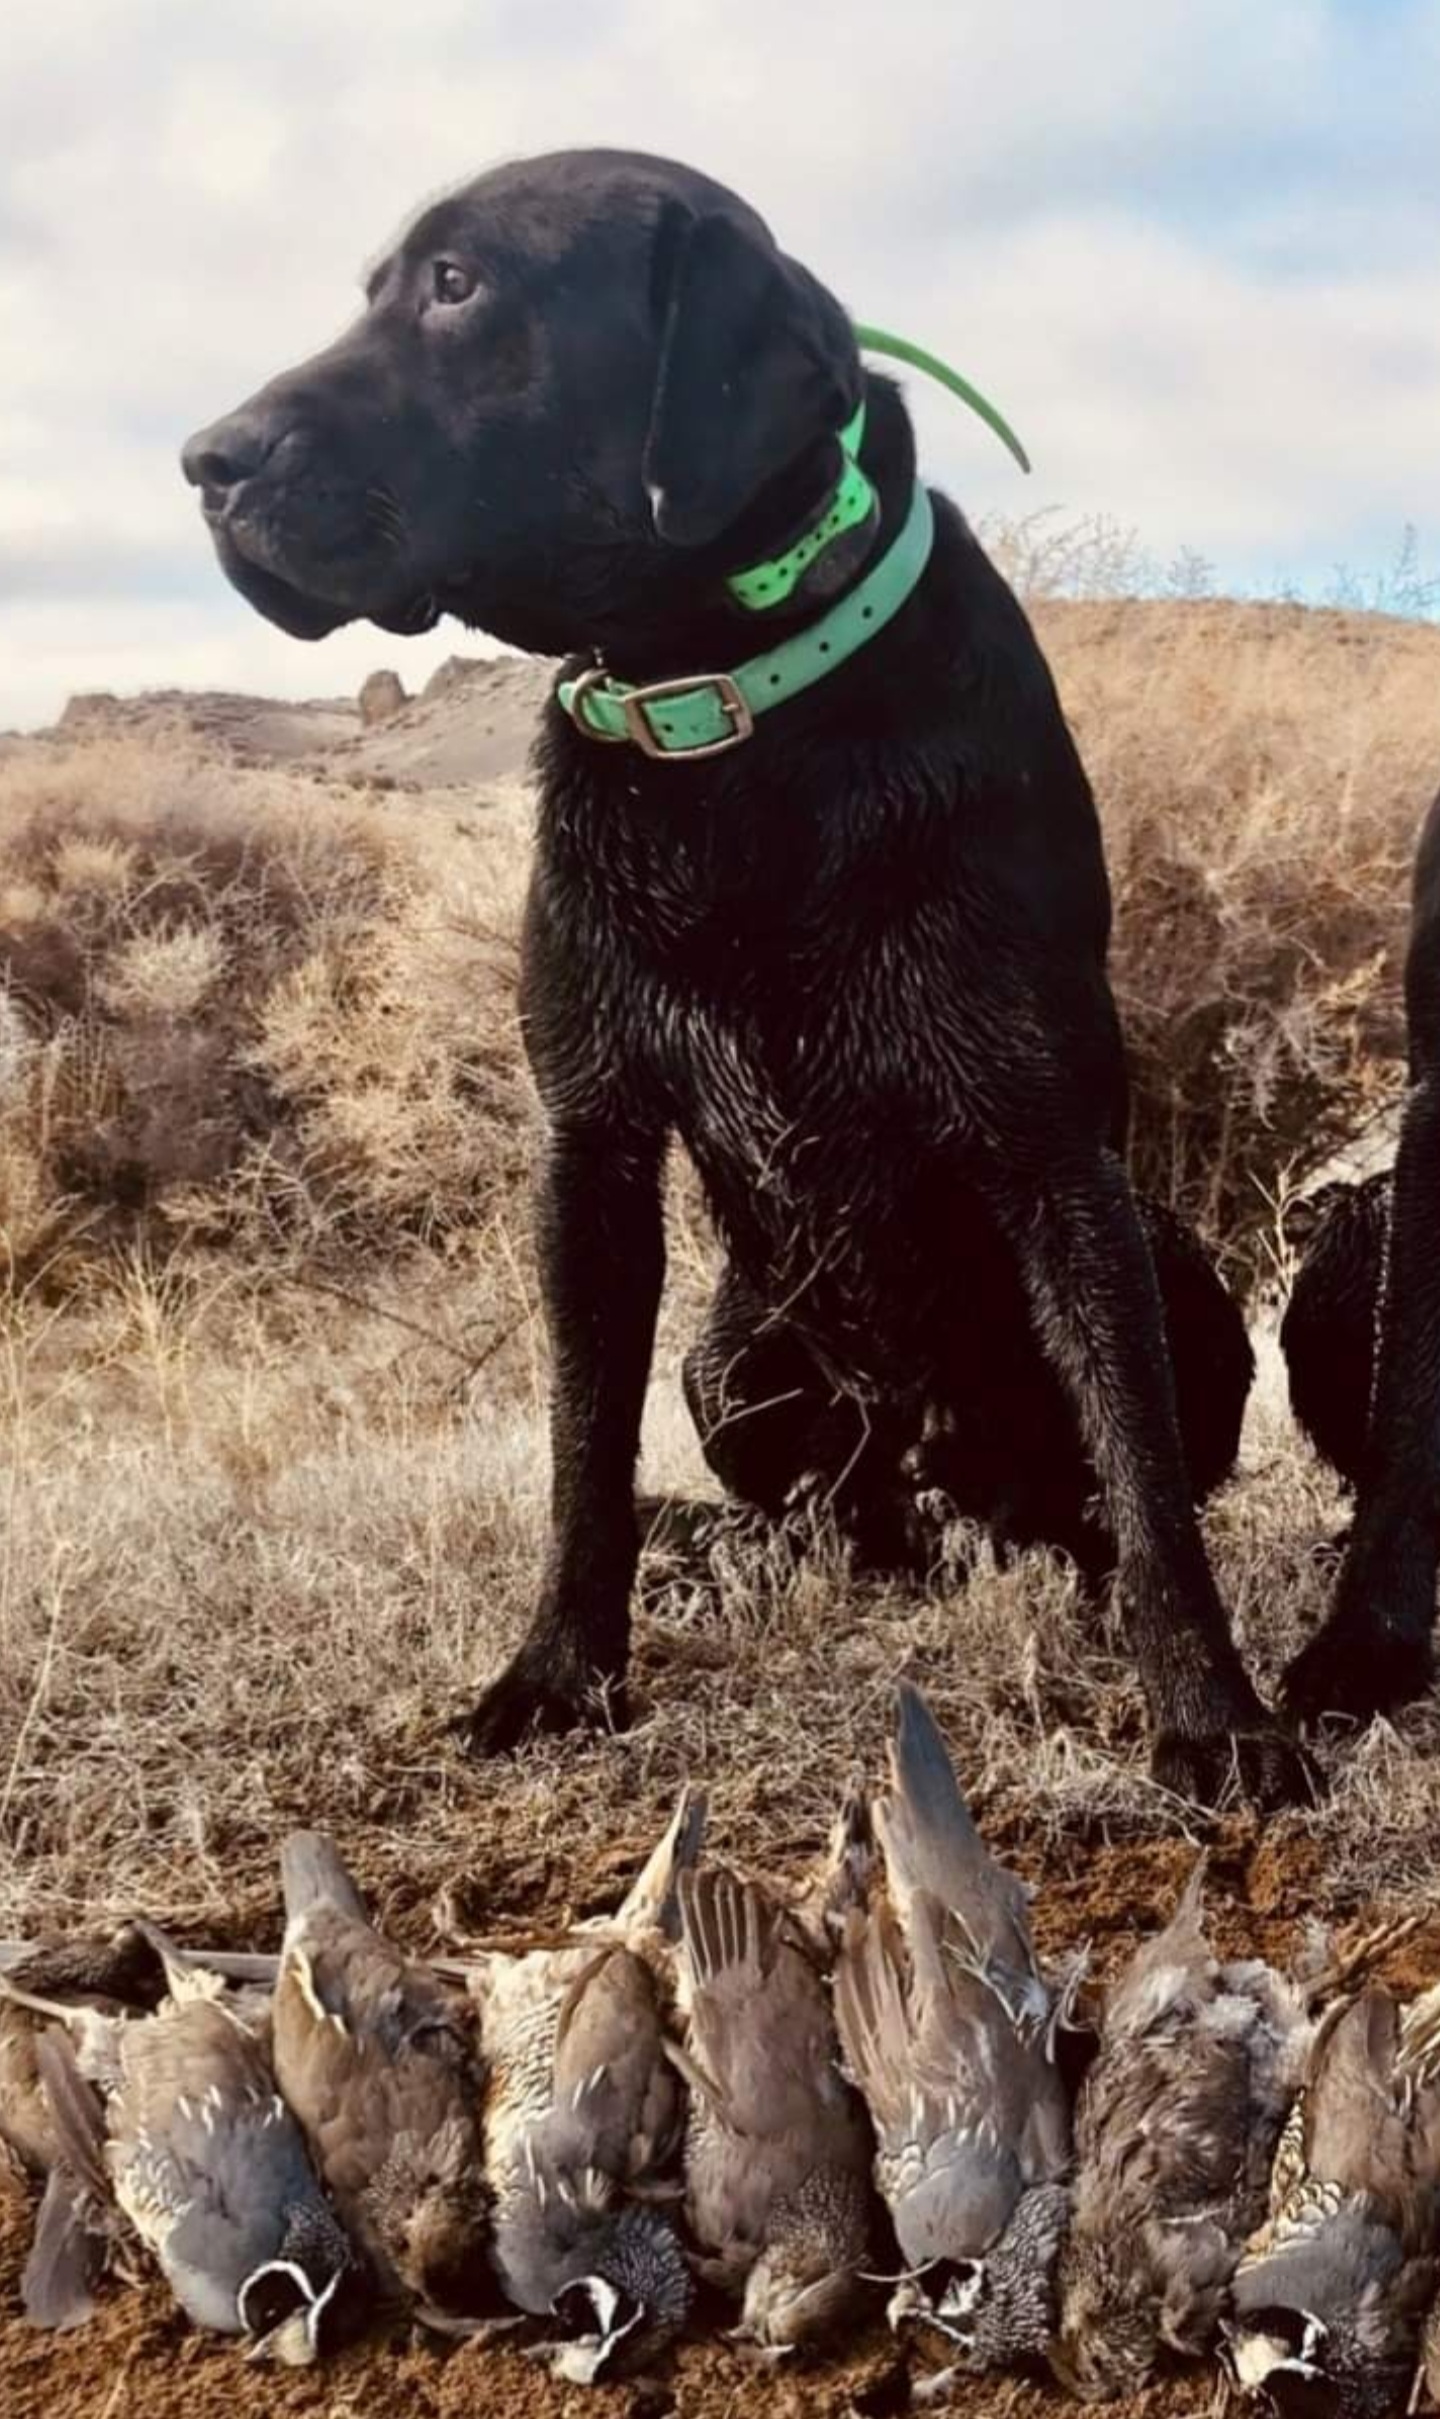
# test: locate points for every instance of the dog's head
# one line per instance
(575, 383)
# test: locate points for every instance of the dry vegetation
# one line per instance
(1262, 772)
(241, 1008)
(272, 1471)
(272, 1382)
(272, 1377)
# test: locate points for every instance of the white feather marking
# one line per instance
(961, 2296)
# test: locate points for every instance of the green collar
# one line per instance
(853, 501)
(707, 712)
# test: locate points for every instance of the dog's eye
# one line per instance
(451, 283)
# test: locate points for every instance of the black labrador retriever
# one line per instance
(852, 950)
(1362, 1341)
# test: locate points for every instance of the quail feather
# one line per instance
(1176, 2128)
(1331, 2293)
(778, 2149)
(73, 2235)
(949, 2027)
(1426, 2391)
(380, 2061)
(175, 2119)
(583, 2111)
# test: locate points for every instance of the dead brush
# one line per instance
(233, 1005)
(1261, 773)
(272, 1377)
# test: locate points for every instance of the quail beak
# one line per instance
(292, 2344)
(294, 2341)
(1253, 2357)
(925, 2392)
(760, 2354)
(583, 2362)
(954, 2313)
(909, 2306)
(777, 2319)
(571, 2363)
(584, 2358)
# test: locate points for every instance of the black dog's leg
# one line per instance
(1094, 1298)
(782, 1436)
(1330, 1333)
(1210, 1356)
(602, 1260)
(1375, 1652)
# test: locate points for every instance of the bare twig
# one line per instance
(471, 1362)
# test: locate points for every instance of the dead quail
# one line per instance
(379, 2059)
(73, 2233)
(185, 2130)
(1175, 2131)
(1329, 2297)
(1426, 2393)
(582, 2120)
(949, 2028)
(778, 2151)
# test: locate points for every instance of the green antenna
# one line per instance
(877, 340)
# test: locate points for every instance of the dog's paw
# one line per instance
(540, 1693)
(1264, 1766)
(1357, 1674)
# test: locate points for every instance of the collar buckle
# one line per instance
(619, 715)
(727, 694)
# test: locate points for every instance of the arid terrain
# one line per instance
(272, 1383)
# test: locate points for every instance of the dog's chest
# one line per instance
(800, 1011)
(778, 1079)
(821, 1150)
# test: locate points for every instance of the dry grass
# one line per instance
(272, 1468)
(238, 1007)
(256, 1552)
(1262, 772)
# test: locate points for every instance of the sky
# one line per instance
(1192, 247)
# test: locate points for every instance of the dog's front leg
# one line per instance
(1096, 1306)
(602, 1261)
(1375, 1652)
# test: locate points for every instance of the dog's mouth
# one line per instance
(307, 594)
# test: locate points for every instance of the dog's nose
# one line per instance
(220, 456)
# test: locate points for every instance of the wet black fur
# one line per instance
(858, 964)
(1362, 1341)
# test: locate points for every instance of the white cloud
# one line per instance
(1188, 244)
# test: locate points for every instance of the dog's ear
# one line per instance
(757, 362)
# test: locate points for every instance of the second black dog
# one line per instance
(1362, 1340)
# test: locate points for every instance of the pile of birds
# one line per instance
(874, 2097)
